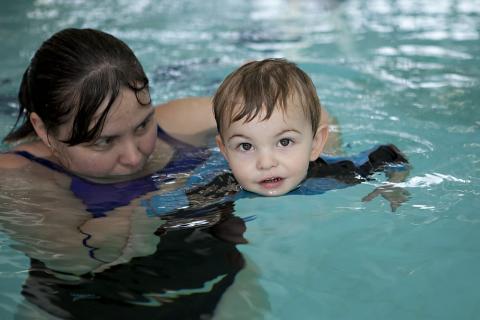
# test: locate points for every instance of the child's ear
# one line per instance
(220, 144)
(39, 127)
(319, 141)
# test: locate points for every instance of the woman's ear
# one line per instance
(40, 128)
(319, 141)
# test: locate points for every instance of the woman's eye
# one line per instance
(285, 142)
(245, 146)
(102, 143)
(144, 125)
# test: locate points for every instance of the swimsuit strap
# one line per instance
(44, 162)
(172, 141)
(185, 157)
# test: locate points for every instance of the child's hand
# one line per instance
(395, 195)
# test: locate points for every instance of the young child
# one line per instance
(272, 130)
(270, 125)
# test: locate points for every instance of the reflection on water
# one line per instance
(183, 278)
(402, 72)
(124, 265)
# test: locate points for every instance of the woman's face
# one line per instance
(123, 147)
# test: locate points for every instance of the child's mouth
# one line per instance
(271, 183)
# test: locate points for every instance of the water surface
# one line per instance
(402, 72)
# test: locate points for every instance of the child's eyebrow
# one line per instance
(286, 131)
(240, 136)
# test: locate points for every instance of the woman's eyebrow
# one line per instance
(107, 136)
(145, 119)
(113, 136)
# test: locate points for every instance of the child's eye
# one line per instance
(245, 146)
(285, 142)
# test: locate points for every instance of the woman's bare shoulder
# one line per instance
(11, 160)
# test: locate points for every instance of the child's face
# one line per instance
(270, 157)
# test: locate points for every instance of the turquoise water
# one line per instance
(402, 72)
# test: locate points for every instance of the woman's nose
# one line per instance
(266, 160)
(131, 156)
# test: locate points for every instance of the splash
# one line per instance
(429, 179)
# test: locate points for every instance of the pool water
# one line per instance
(402, 72)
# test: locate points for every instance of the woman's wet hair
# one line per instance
(70, 76)
(262, 86)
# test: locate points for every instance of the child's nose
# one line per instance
(266, 160)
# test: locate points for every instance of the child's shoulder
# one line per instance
(388, 153)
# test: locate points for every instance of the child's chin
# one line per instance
(270, 193)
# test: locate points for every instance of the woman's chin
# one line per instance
(113, 177)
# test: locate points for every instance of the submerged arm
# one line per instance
(396, 170)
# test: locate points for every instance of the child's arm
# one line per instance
(351, 171)
(385, 157)
(396, 170)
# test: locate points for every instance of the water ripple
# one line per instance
(427, 180)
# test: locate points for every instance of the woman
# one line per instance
(85, 112)
(88, 147)
(87, 127)
(85, 101)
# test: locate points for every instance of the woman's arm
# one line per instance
(43, 224)
(54, 227)
(190, 119)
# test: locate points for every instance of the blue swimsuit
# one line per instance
(101, 198)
